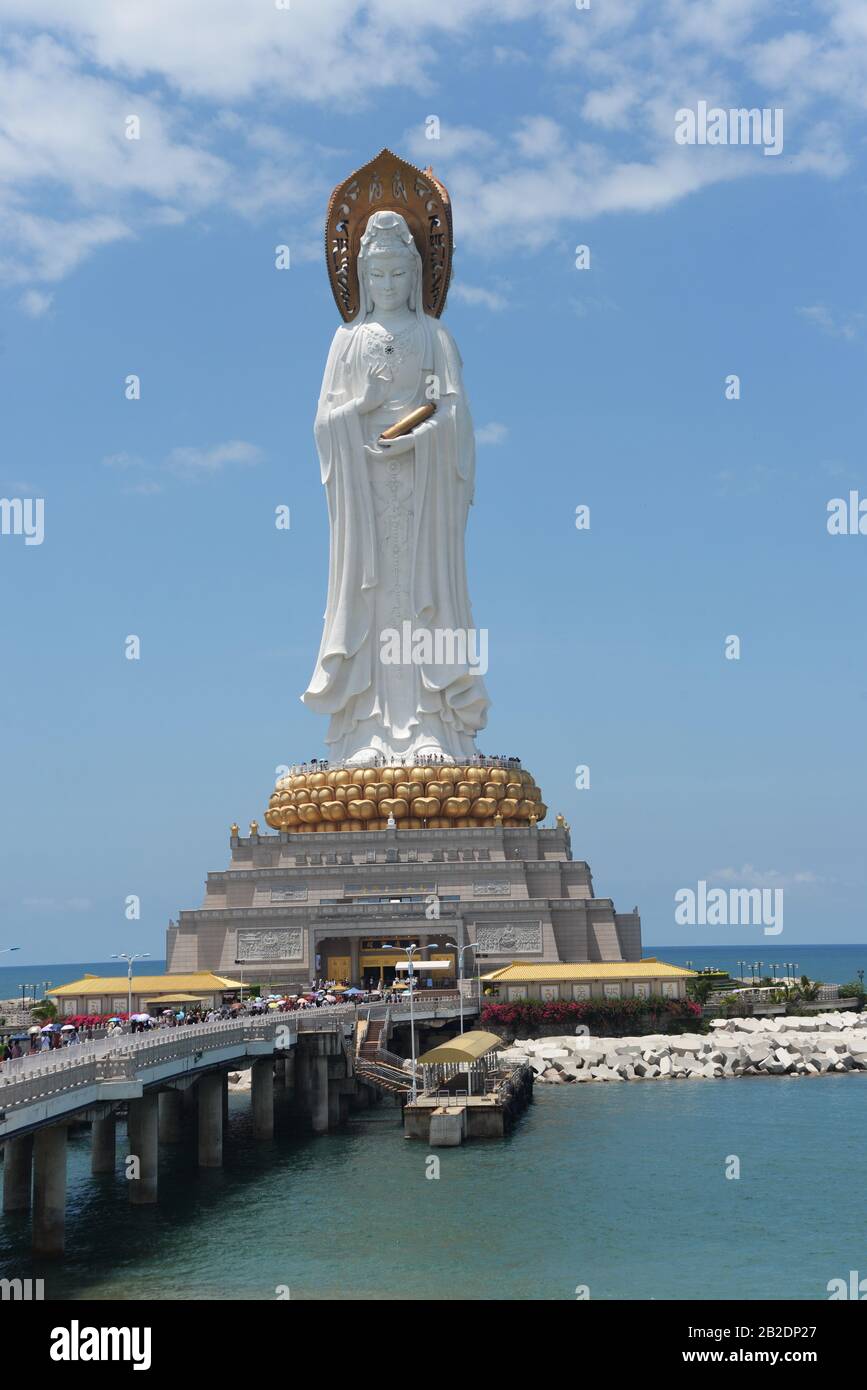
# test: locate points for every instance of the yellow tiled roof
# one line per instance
(570, 972)
(202, 980)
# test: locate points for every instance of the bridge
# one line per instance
(172, 1077)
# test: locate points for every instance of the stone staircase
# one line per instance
(374, 1064)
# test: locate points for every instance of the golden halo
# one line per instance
(389, 184)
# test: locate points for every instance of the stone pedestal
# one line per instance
(514, 890)
(17, 1173)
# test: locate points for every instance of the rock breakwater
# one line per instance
(794, 1046)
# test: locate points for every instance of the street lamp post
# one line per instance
(125, 955)
(470, 946)
(410, 951)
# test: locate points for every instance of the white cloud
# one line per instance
(477, 295)
(122, 462)
(539, 137)
(187, 461)
(191, 461)
(748, 876)
(609, 107)
(200, 73)
(838, 327)
(503, 54)
(35, 303)
(494, 433)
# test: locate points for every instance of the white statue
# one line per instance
(398, 514)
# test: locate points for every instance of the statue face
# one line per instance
(389, 280)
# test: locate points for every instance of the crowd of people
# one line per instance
(425, 760)
(50, 1037)
(47, 1038)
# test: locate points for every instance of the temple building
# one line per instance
(296, 906)
(643, 979)
(108, 994)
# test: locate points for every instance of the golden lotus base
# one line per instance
(417, 798)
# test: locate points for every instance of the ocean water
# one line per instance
(42, 977)
(833, 965)
(618, 1187)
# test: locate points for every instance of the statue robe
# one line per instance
(347, 681)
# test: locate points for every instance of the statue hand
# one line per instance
(375, 389)
(401, 445)
(389, 448)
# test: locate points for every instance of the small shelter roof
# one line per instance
(468, 1047)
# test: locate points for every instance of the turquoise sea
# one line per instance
(833, 965)
(36, 979)
(621, 1188)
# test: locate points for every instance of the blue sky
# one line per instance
(602, 387)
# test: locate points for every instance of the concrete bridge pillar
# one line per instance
(333, 1107)
(49, 1190)
(211, 1120)
(103, 1155)
(312, 1065)
(18, 1173)
(317, 1102)
(190, 1102)
(262, 1097)
(224, 1098)
(289, 1071)
(144, 1144)
(171, 1117)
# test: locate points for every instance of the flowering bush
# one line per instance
(595, 1013)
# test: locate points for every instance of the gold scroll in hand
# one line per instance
(409, 422)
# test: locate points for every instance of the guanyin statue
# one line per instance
(397, 508)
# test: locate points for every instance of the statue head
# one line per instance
(389, 266)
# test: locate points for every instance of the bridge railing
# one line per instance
(30, 1078)
(123, 1056)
